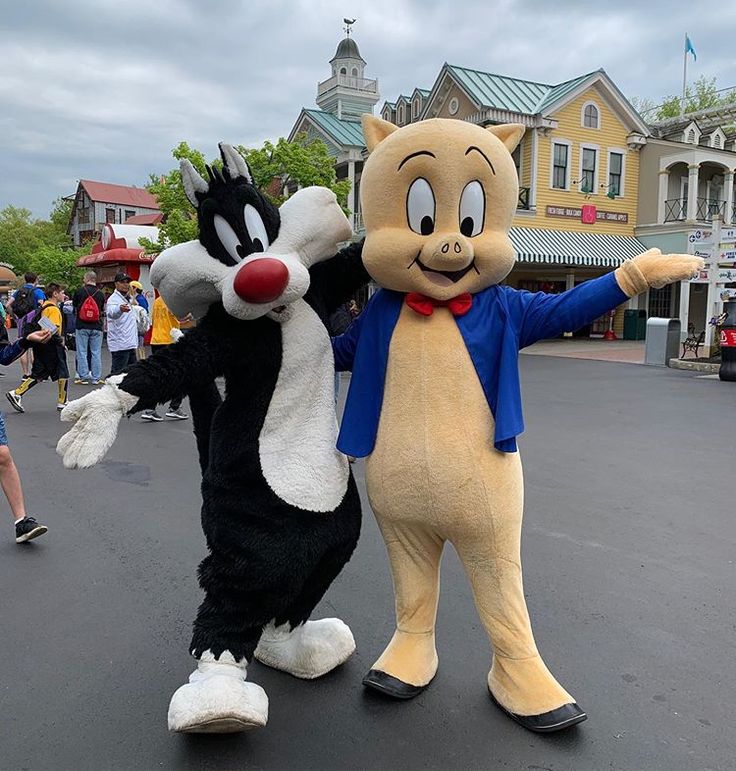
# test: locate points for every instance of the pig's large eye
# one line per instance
(420, 207)
(472, 209)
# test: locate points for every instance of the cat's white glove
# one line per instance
(97, 416)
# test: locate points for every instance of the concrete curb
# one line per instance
(695, 366)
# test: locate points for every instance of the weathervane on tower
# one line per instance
(349, 26)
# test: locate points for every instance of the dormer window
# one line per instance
(415, 108)
(400, 115)
(386, 114)
(591, 118)
(716, 140)
(691, 136)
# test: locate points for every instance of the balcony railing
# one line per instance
(357, 84)
(709, 207)
(675, 209)
(523, 202)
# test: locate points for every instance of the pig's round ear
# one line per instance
(509, 133)
(375, 130)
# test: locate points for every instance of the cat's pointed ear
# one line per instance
(234, 162)
(192, 181)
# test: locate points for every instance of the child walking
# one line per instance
(49, 360)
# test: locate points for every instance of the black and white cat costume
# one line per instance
(281, 512)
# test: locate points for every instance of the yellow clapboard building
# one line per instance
(578, 162)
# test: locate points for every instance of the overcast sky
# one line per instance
(103, 90)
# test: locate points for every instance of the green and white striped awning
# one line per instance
(559, 247)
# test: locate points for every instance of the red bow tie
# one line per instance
(424, 305)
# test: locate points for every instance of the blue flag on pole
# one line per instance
(689, 48)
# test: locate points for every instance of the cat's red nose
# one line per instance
(262, 280)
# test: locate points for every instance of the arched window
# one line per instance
(387, 114)
(415, 108)
(716, 140)
(343, 71)
(590, 116)
(354, 72)
(691, 136)
(400, 116)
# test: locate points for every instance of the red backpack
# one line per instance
(89, 311)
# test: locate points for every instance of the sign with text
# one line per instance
(728, 235)
(728, 338)
(726, 255)
(702, 277)
(700, 237)
(725, 275)
(576, 212)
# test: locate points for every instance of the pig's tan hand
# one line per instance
(654, 269)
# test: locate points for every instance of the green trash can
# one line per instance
(635, 324)
(630, 319)
(641, 325)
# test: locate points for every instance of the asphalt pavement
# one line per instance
(629, 557)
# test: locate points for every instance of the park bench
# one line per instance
(692, 342)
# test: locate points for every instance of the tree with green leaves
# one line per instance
(58, 264)
(23, 238)
(701, 95)
(300, 163)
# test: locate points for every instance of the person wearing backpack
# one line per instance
(89, 303)
(49, 360)
(24, 301)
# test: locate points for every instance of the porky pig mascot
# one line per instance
(435, 401)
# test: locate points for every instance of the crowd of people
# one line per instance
(50, 323)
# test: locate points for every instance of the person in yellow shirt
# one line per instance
(166, 330)
(49, 360)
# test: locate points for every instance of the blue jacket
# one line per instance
(500, 322)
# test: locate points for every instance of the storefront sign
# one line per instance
(728, 235)
(725, 275)
(727, 254)
(705, 252)
(577, 213)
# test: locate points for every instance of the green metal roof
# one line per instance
(343, 132)
(513, 94)
(490, 90)
(560, 91)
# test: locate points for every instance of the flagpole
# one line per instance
(684, 78)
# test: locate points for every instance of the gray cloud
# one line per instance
(104, 91)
